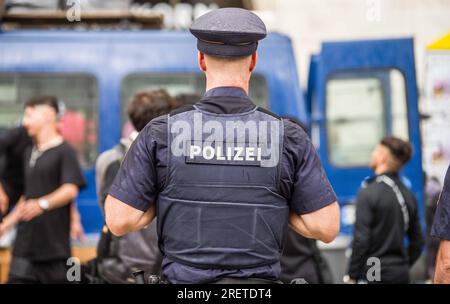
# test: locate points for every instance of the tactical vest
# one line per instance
(221, 207)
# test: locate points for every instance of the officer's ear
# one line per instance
(253, 61)
(201, 61)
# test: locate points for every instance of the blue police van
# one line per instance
(357, 92)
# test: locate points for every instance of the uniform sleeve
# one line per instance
(361, 233)
(71, 172)
(136, 181)
(415, 236)
(311, 189)
(441, 225)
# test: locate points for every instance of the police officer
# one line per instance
(224, 175)
(441, 230)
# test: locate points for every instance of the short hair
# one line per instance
(400, 149)
(51, 101)
(144, 106)
(229, 59)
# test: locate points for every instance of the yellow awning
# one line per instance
(440, 44)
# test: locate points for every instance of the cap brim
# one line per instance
(226, 50)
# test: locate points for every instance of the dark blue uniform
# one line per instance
(144, 176)
(441, 225)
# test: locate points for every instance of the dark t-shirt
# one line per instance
(13, 143)
(143, 174)
(47, 237)
(441, 225)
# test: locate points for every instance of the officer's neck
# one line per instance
(217, 82)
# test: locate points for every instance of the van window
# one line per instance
(79, 94)
(188, 87)
(362, 107)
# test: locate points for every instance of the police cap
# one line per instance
(228, 32)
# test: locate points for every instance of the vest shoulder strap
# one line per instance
(263, 110)
(184, 108)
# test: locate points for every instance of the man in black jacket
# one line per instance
(386, 212)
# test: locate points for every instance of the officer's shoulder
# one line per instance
(156, 124)
(159, 120)
(294, 129)
(265, 111)
(182, 109)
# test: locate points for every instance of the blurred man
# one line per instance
(386, 212)
(441, 230)
(14, 143)
(52, 181)
(117, 258)
(224, 199)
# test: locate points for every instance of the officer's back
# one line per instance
(224, 175)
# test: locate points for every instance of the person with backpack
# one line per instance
(118, 257)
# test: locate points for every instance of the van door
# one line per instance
(364, 91)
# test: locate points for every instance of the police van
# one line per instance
(356, 93)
